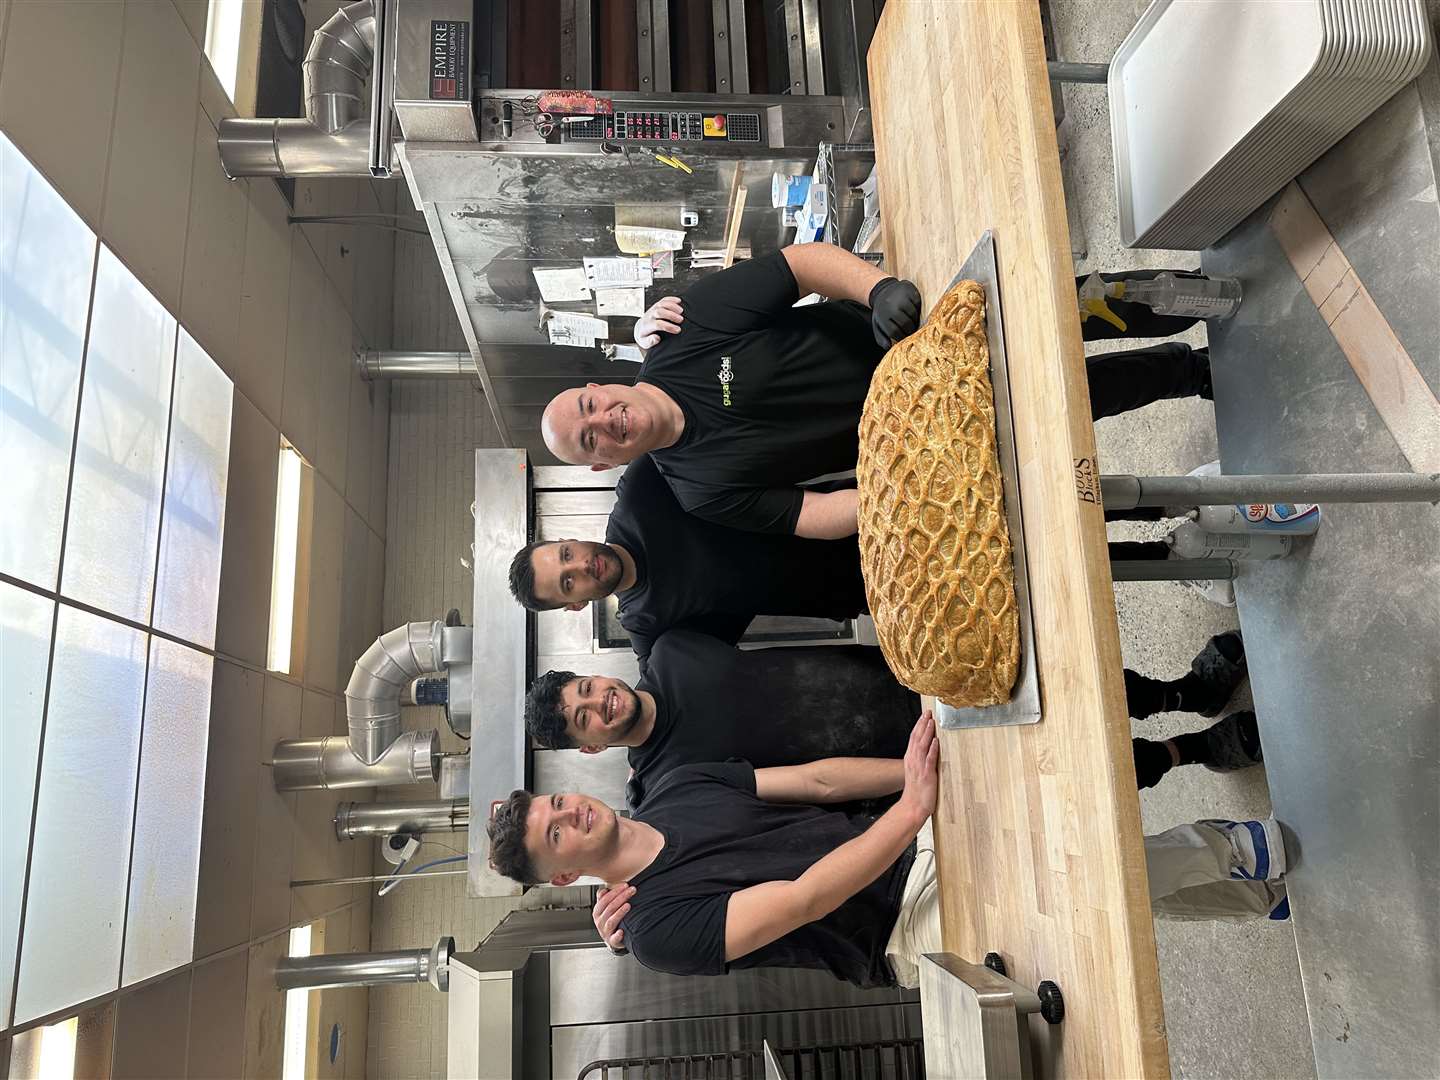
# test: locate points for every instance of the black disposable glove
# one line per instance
(894, 310)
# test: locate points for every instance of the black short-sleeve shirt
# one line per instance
(770, 707)
(771, 394)
(695, 574)
(720, 838)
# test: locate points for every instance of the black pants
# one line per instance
(1132, 379)
(1140, 321)
(1121, 381)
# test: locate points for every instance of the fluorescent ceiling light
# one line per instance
(297, 1014)
(57, 1050)
(223, 25)
(282, 575)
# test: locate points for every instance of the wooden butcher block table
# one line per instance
(1038, 828)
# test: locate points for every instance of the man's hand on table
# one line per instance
(664, 317)
(894, 310)
(611, 906)
(922, 768)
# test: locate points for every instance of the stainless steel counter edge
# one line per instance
(497, 738)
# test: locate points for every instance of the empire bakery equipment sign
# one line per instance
(449, 59)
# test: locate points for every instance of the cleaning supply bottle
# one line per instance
(1191, 540)
(1199, 297)
(1295, 519)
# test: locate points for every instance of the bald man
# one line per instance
(754, 396)
(744, 397)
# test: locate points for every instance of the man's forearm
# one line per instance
(842, 779)
(829, 515)
(856, 863)
(832, 271)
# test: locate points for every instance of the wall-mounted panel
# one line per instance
(75, 905)
(114, 521)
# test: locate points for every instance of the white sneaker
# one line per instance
(1259, 848)
(1219, 591)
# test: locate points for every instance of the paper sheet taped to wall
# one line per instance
(562, 283)
(617, 273)
(573, 328)
(620, 302)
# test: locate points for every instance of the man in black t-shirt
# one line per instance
(727, 866)
(737, 867)
(755, 396)
(671, 569)
(752, 396)
(701, 700)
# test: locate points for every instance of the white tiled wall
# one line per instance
(127, 133)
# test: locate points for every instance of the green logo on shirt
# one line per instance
(727, 376)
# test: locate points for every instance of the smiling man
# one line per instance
(743, 397)
(673, 570)
(754, 396)
(701, 700)
(728, 866)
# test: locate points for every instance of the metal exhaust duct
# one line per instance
(411, 364)
(330, 762)
(334, 137)
(384, 670)
(387, 818)
(430, 965)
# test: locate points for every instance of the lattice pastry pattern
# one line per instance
(934, 545)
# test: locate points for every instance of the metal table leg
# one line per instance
(1128, 492)
(1060, 71)
(1172, 570)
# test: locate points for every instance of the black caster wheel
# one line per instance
(1052, 1004)
(452, 617)
(996, 963)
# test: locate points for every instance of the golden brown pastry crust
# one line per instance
(934, 544)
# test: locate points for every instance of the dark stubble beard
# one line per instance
(617, 569)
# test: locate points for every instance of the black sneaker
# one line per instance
(1203, 386)
(1214, 675)
(1234, 743)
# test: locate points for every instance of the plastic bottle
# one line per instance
(1192, 541)
(1295, 519)
(1201, 298)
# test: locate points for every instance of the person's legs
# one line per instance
(1214, 674)
(1140, 319)
(1122, 381)
(917, 929)
(1218, 870)
(1139, 550)
(1226, 745)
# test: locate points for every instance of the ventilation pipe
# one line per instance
(388, 818)
(384, 670)
(334, 137)
(306, 764)
(430, 965)
(411, 364)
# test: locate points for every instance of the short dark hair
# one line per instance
(506, 828)
(544, 717)
(522, 579)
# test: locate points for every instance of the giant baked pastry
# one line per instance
(934, 546)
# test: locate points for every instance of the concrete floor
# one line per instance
(1233, 999)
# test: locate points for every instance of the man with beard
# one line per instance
(673, 570)
(701, 700)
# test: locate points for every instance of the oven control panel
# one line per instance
(668, 127)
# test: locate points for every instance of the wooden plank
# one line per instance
(1398, 391)
(1040, 849)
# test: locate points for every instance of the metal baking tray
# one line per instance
(1024, 704)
